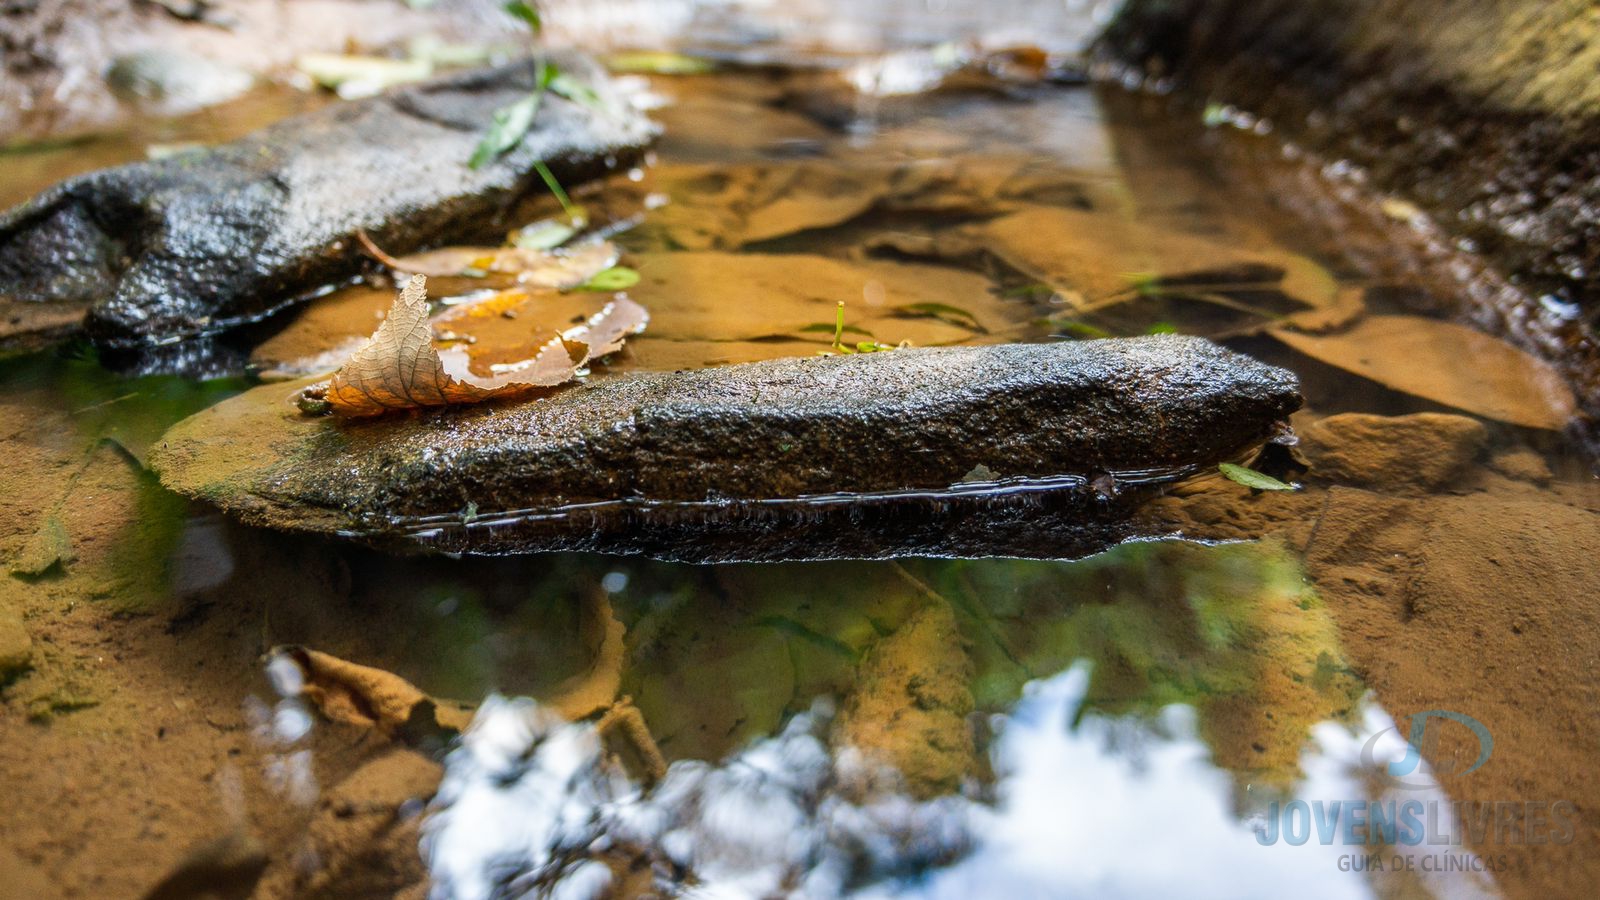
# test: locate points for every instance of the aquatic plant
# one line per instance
(512, 122)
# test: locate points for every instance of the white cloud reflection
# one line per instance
(1103, 807)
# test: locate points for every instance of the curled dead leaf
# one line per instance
(400, 368)
(372, 698)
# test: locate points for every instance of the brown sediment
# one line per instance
(128, 744)
(1466, 599)
(364, 834)
(1422, 452)
(910, 705)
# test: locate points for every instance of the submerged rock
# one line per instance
(205, 240)
(16, 645)
(850, 456)
(1421, 452)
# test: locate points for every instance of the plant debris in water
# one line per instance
(839, 346)
(400, 367)
(512, 122)
(1252, 479)
(616, 278)
(1446, 363)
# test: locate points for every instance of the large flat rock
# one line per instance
(205, 240)
(853, 456)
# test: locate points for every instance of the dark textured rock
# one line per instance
(203, 241)
(854, 456)
(1484, 113)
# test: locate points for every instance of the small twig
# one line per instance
(376, 252)
(95, 406)
(401, 266)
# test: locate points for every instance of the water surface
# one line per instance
(1134, 724)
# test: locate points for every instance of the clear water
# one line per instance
(1136, 724)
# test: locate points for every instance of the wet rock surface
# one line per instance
(1483, 114)
(855, 456)
(212, 238)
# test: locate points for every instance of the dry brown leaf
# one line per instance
(400, 368)
(1104, 259)
(1449, 364)
(372, 698)
(561, 269)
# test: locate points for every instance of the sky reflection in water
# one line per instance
(1108, 807)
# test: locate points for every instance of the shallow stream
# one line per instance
(1139, 723)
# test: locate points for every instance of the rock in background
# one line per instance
(1484, 113)
(55, 54)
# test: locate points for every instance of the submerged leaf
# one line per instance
(401, 369)
(361, 76)
(560, 269)
(616, 278)
(546, 234)
(944, 312)
(1446, 363)
(1103, 260)
(1250, 478)
(658, 63)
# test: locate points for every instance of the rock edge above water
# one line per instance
(1482, 112)
(853, 456)
(206, 240)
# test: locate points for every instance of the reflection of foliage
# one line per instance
(724, 659)
(95, 489)
(131, 412)
(1230, 630)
